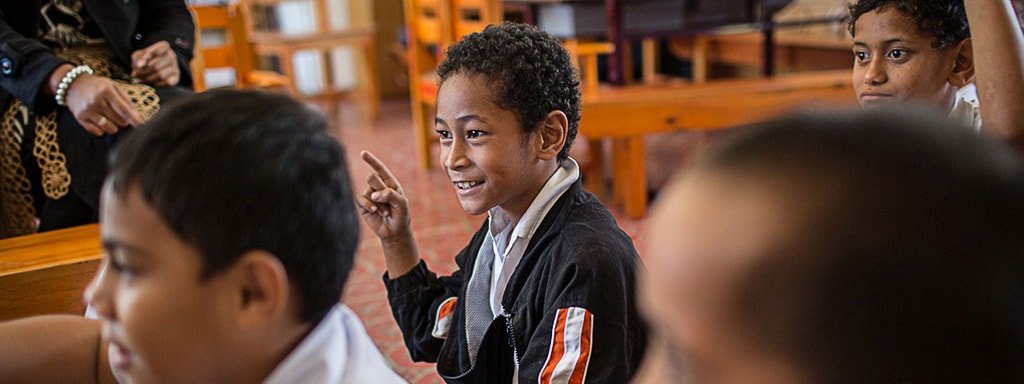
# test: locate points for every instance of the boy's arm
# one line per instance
(53, 349)
(385, 209)
(590, 330)
(998, 47)
(424, 306)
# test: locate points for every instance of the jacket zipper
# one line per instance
(511, 335)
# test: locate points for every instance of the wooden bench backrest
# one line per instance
(643, 109)
(47, 272)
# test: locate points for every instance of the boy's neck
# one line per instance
(950, 101)
(265, 357)
(540, 178)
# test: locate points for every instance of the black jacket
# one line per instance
(128, 25)
(578, 259)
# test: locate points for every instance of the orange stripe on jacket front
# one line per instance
(569, 356)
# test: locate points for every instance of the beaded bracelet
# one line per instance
(65, 83)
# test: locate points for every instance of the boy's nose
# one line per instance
(455, 156)
(98, 294)
(875, 73)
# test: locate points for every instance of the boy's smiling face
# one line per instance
(162, 322)
(895, 62)
(484, 151)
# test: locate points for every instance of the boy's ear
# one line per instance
(262, 292)
(552, 133)
(963, 64)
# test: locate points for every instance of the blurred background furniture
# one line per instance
(233, 53)
(327, 48)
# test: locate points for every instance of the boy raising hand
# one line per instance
(545, 288)
(923, 52)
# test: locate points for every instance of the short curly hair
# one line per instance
(528, 69)
(944, 20)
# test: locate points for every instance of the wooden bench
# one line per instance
(626, 114)
(47, 273)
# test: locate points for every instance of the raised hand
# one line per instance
(100, 106)
(156, 65)
(383, 204)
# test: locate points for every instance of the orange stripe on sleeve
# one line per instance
(579, 373)
(443, 319)
(557, 347)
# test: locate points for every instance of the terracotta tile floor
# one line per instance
(440, 225)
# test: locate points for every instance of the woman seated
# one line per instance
(74, 74)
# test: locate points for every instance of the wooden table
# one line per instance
(47, 272)
(626, 114)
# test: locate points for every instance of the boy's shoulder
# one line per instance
(584, 232)
(337, 350)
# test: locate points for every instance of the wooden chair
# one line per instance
(46, 273)
(323, 39)
(428, 35)
(234, 53)
(584, 55)
(468, 16)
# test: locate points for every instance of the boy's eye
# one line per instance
(122, 269)
(861, 56)
(472, 134)
(897, 54)
(444, 134)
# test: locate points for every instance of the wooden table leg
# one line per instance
(594, 173)
(629, 183)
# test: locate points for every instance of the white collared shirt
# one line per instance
(510, 239)
(965, 107)
(338, 350)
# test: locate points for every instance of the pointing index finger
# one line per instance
(381, 169)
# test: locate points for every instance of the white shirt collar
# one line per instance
(509, 250)
(559, 182)
(338, 350)
(965, 107)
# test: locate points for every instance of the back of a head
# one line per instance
(235, 171)
(912, 267)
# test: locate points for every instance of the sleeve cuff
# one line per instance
(417, 277)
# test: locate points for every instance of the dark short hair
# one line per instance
(910, 268)
(528, 69)
(944, 20)
(234, 171)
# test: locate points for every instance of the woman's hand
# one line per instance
(100, 106)
(156, 65)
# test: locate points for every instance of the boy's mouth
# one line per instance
(874, 96)
(120, 358)
(466, 185)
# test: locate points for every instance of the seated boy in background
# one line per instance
(922, 52)
(879, 248)
(545, 288)
(229, 231)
